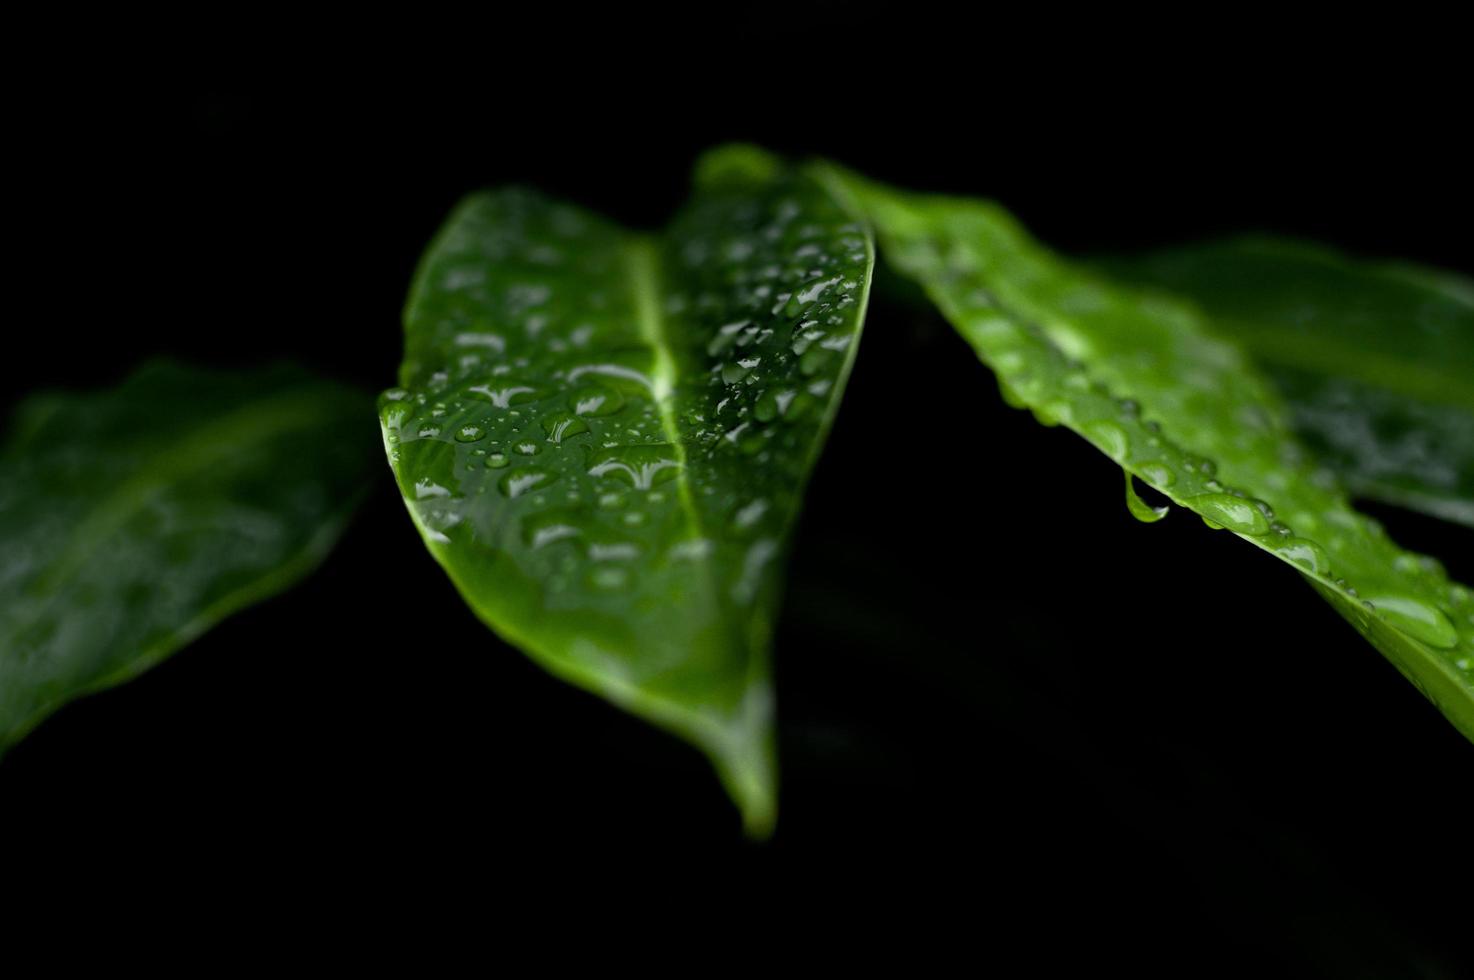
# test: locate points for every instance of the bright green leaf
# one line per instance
(603, 436)
(1144, 379)
(1375, 361)
(134, 519)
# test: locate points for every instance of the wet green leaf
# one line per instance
(1375, 361)
(603, 436)
(1145, 380)
(134, 519)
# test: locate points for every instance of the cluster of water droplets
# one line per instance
(605, 440)
(1042, 365)
(777, 286)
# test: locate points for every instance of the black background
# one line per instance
(1009, 712)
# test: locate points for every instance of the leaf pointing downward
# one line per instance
(1144, 379)
(604, 436)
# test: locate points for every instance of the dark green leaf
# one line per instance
(1144, 379)
(604, 436)
(132, 520)
(1375, 361)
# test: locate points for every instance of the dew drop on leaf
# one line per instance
(521, 481)
(1417, 619)
(561, 426)
(1234, 513)
(1109, 436)
(1306, 554)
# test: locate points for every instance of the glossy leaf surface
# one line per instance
(1375, 361)
(1144, 379)
(132, 520)
(603, 436)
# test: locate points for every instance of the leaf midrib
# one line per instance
(642, 259)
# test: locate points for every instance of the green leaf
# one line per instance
(1375, 361)
(1143, 378)
(604, 436)
(134, 519)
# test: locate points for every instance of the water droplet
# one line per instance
(642, 467)
(543, 536)
(528, 448)
(1139, 508)
(607, 578)
(524, 480)
(470, 433)
(1011, 397)
(561, 425)
(726, 337)
(1157, 474)
(737, 370)
(1109, 436)
(597, 400)
(505, 393)
(395, 415)
(429, 488)
(1306, 554)
(813, 360)
(616, 551)
(749, 515)
(1234, 513)
(496, 460)
(1417, 619)
(1206, 467)
(771, 404)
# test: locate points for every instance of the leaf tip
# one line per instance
(735, 163)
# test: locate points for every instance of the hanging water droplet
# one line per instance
(1139, 508)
